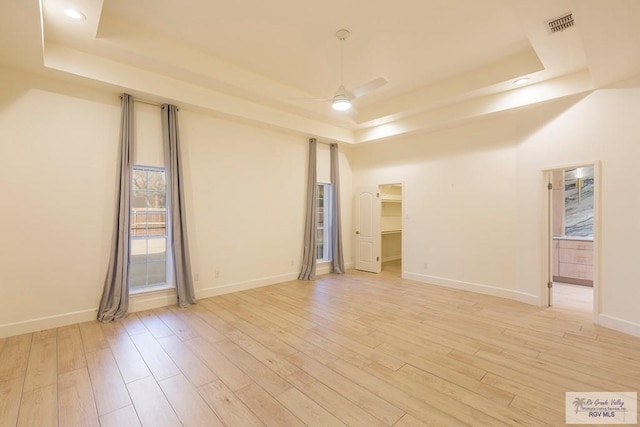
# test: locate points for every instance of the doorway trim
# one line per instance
(547, 232)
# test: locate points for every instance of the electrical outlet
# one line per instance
(216, 274)
(196, 277)
(426, 266)
(291, 263)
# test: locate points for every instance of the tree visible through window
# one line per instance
(148, 234)
(323, 234)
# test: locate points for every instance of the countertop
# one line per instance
(578, 238)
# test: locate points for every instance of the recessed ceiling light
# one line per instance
(375, 122)
(74, 14)
(521, 81)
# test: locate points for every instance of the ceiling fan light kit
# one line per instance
(341, 101)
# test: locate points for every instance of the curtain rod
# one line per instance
(142, 101)
(323, 142)
(155, 104)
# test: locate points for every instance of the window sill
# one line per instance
(151, 290)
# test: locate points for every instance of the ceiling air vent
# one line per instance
(560, 23)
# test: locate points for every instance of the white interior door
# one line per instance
(368, 230)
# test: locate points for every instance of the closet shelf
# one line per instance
(391, 231)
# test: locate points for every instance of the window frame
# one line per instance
(325, 216)
(149, 287)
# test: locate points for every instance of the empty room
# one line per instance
(290, 213)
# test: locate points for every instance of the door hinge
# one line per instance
(549, 186)
(549, 285)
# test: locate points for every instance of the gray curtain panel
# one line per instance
(337, 258)
(310, 250)
(176, 203)
(115, 296)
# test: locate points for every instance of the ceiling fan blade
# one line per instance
(310, 99)
(368, 87)
(353, 113)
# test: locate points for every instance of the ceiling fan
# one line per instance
(341, 100)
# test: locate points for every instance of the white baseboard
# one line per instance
(474, 287)
(138, 302)
(528, 298)
(619, 325)
(34, 325)
(148, 301)
(325, 267)
(321, 268)
(243, 286)
(151, 300)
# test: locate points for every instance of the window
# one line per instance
(148, 234)
(323, 233)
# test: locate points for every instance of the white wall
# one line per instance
(473, 193)
(247, 197)
(603, 126)
(58, 154)
(391, 247)
(475, 197)
(459, 188)
(58, 151)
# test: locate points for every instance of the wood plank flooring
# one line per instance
(356, 349)
(573, 297)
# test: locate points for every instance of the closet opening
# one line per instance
(391, 228)
(378, 229)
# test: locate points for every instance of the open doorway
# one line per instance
(391, 228)
(572, 226)
(378, 229)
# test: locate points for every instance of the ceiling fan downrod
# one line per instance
(340, 101)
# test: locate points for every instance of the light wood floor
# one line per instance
(573, 297)
(356, 349)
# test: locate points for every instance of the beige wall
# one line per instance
(247, 195)
(475, 197)
(459, 192)
(603, 126)
(58, 153)
(57, 186)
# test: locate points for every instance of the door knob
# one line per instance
(357, 232)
